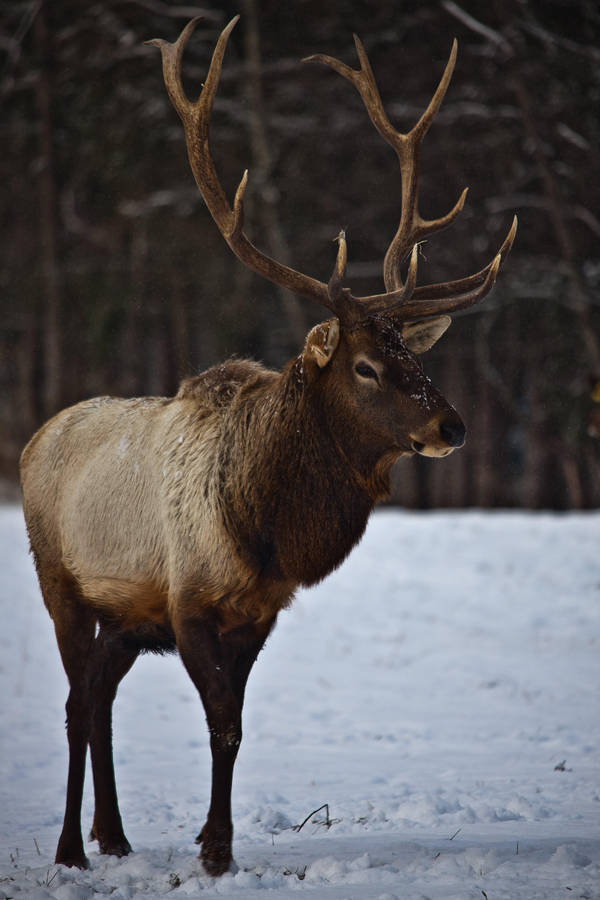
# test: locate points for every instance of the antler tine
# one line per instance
(196, 121)
(422, 308)
(171, 59)
(195, 117)
(336, 282)
(394, 303)
(434, 299)
(364, 82)
(422, 127)
(346, 306)
(461, 285)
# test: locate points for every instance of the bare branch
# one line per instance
(475, 25)
(548, 37)
(177, 12)
(573, 137)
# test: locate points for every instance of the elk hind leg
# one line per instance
(74, 625)
(112, 660)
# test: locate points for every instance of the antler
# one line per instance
(430, 299)
(196, 122)
(412, 226)
(400, 299)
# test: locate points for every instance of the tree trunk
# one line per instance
(577, 292)
(263, 163)
(48, 228)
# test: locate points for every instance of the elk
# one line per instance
(187, 523)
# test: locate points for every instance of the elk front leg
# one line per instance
(219, 665)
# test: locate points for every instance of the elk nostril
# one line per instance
(453, 433)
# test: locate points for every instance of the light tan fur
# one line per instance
(123, 496)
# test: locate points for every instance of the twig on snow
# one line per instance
(327, 822)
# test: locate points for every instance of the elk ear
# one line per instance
(420, 336)
(321, 342)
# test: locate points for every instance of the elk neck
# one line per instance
(296, 491)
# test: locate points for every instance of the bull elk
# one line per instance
(187, 523)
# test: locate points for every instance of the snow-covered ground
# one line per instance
(440, 692)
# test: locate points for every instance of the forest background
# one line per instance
(115, 280)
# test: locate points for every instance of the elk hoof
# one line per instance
(73, 862)
(115, 846)
(118, 845)
(216, 858)
(71, 857)
(216, 850)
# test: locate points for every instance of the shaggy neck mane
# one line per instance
(295, 492)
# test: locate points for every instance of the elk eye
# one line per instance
(365, 370)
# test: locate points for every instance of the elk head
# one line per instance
(365, 357)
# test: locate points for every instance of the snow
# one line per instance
(439, 692)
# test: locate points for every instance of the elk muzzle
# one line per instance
(439, 437)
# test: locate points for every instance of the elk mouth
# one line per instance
(423, 450)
